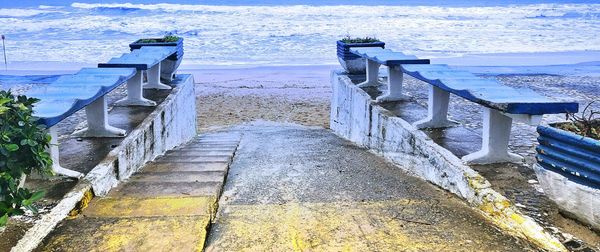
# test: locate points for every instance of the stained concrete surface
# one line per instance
(515, 181)
(164, 207)
(299, 188)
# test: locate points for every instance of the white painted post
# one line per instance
(154, 78)
(437, 110)
(372, 74)
(394, 93)
(496, 133)
(97, 119)
(135, 93)
(53, 151)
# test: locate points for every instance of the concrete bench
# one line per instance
(375, 57)
(71, 93)
(149, 59)
(502, 104)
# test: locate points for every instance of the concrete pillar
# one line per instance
(154, 78)
(394, 93)
(372, 74)
(496, 133)
(53, 151)
(97, 118)
(437, 110)
(135, 93)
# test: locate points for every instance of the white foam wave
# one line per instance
(300, 34)
(21, 12)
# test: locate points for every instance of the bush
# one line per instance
(351, 40)
(23, 145)
(168, 38)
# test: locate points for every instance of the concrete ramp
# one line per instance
(295, 188)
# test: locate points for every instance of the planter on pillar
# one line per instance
(168, 66)
(352, 63)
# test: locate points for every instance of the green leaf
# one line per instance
(3, 220)
(11, 147)
(4, 100)
(37, 196)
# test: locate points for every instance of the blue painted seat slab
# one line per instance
(70, 93)
(141, 59)
(490, 93)
(386, 56)
(108, 71)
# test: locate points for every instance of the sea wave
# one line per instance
(7, 13)
(301, 34)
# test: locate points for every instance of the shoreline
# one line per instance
(587, 69)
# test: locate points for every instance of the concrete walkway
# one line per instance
(294, 188)
(289, 188)
(167, 206)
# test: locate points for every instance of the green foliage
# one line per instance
(349, 39)
(23, 145)
(168, 38)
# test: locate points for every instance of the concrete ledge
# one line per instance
(172, 123)
(357, 118)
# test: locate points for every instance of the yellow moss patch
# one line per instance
(395, 225)
(133, 234)
(83, 204)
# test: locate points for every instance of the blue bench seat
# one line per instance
(501, 104)
(147, 58)
(487, 92)
(71, 93)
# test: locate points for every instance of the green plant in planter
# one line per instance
(23, 145)
(168, 38)
(351, 40)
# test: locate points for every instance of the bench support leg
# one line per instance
(437, 107)
(97, 119)
(53, 151)
(496, 133)
(154, 78)
(394, 93)
(372, 75)
(135, 93)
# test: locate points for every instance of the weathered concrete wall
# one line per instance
(355, 117)
(350, 108)
(172, 123)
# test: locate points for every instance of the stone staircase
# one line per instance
(168, 205)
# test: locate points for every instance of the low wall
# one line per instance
(357, 118)
(172, 123)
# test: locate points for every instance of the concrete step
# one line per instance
(150, 207)
(196, 159)
(193, 176)
(186, 167)
(208, 148)
(135, 189)
(200, 152)
(173, 233)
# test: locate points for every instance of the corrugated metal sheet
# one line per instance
(574, 156)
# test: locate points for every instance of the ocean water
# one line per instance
(294, 32)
